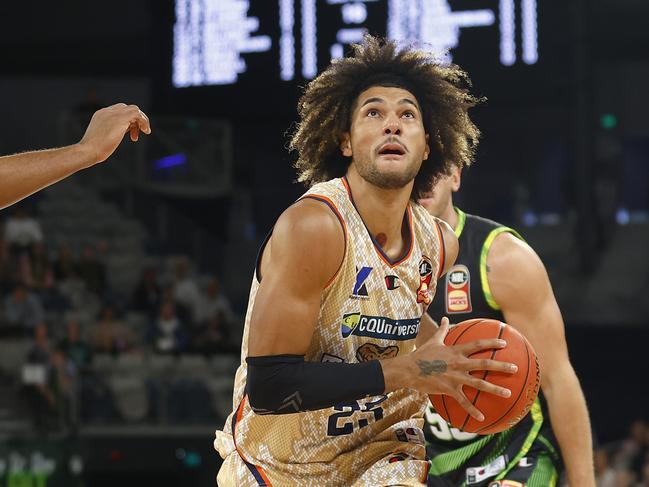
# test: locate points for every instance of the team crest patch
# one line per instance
(371, 351)
(360, 286)
(424, 294)
(458, 290)
(378, 327)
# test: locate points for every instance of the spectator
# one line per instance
(22, 231)
(110, 335)
(39, 274)
(167, 333)
(604, 474)
(64, 265)
(214, 303)
(23, 308)
(146, 297)
(92, 271)
(633, 450)
(214, 338)
(75, 348)
(186, 292)
(36, 376)
(624, 478)
(644, 479)
(8, 268)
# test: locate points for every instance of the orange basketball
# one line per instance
(500, 413)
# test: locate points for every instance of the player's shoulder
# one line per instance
(511, 256)
(309, 222)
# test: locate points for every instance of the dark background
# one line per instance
(544, 157)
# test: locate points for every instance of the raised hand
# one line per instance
(107, 128)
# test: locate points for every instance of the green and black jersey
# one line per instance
(526, 453)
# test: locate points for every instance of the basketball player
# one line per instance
(329, 391)
(497, 275)
(24, 174)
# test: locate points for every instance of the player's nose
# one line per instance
(392, 126)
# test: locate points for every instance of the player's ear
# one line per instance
(456, 178)
(426, 149)
(346, 144)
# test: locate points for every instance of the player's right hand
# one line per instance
(107, 128)
(445, 369)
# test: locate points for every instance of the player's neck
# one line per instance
(449, 215)
(382, 211)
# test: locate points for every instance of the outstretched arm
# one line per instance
(519, 284)
(24, 174)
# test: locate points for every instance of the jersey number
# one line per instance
(444, 431)
(334, 428)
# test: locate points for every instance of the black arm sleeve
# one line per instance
(282, 384)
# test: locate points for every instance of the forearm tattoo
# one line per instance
(429, 367)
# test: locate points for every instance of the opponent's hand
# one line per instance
(444, 369)
(107, 128)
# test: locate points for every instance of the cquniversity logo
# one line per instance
(378, 327)
(350, 321)
(360, 288)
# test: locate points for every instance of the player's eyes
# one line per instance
(372, 113)
(408, 114)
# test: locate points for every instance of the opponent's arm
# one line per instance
(24, 174)
(520, 285)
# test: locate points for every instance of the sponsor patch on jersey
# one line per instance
(410, 435)
(360, 286)
(458, 290)
(371, 351)
(378, 327)
(424, 294)
(392, 282)
(506, 483)
(475, 475)
(526, 462)
(327, 357)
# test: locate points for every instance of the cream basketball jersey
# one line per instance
(370, 310)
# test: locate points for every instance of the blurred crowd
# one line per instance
(625, 463)
(60, 301)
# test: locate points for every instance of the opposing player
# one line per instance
(497, 275)
(24, 174)
(329, 388)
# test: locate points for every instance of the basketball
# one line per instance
(500, 413)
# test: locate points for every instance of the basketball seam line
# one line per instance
(527, 374)
(448, 415)
(484, 377)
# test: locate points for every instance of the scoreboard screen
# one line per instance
(221, 42)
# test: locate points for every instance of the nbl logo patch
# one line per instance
(458, 290)
(360, 286)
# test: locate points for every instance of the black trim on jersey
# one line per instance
(270, 233)
(260, 253)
